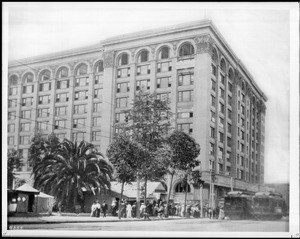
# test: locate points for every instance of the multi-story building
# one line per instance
(80, 94)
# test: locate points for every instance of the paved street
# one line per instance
(186, 225)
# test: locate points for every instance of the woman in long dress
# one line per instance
(128, 210)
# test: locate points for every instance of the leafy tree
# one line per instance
(42, 146)
(124, 154)
(14, 162)
(66, 171)
(185, 151)
(148, 121)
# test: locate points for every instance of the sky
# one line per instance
(258, 33)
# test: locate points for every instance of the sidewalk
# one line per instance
(72, 218)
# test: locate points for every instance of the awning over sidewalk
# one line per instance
(26, 188)
(154, 189)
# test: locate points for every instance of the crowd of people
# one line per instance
(155, 209)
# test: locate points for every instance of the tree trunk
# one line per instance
(201, 200)
(138, 197)
(185, 196)
(169, 193)
(145, 196)
(120, 200)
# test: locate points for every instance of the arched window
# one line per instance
(164, 53)
(214, 56)
(82, 70)
(63, 72)
(143, 56)
(123, 60)
(45, 75)
(180, 188)
(186, 49)
(28, 78)
(223, 65)
(13, 80)
(99, 67)
(230, 74)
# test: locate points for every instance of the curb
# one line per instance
(87, 221)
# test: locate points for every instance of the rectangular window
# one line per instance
(164, 82)
(122, 102)
(164, 66)
(28, 89)
(80, 109)
(64, 97)
(84, 81)
(43, 112)
(243, 110)
(229, 100)
(120, 117)
(26, 114)
(187, 128)
(79, 123)
(81, 95)
(12, 115)
(13, 91)
(213, 116)
(212, 132)
(229, 86)
(228, 141)
(97, 79)
(60, 124)
(221, 137)
(143, 85)
(220, 152)
(187, 79)
(123, 87)
(163, 96)
(222, 107)
(43, 125)
(184, 115)
(44, 99)
(13, 103)
(97, 94)
(45, 86)
(25, 126)
(229, 128)
(229, 114)
(61, 110)
(213, 85)
(25, 139)
(11, 128)
(221, 122)
(143, 70)
(27, 101)
(222, 79)
(213, 100)
(63, 84)
(222, 93)
(96, 135)
(213, 70)
(185, 96)
(97, 107)
(212, 149)
(11, 140)
(78, 136)
(96, 121)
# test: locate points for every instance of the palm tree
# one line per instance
(70, 170)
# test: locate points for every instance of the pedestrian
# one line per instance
(128, 210)
(93, 209)
(133, 210)
(147, 212)
(142, 209)
(104, 208)
(98, 208)
(188, 211)
(160, 211)
(221, 214)
(182, 213)
(60, 208)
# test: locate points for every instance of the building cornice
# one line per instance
(56, 55)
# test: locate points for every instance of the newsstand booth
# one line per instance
(25, 198)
